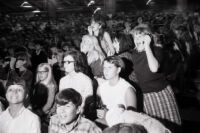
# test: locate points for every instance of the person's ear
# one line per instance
(79, 110)
(119, 70)
(100, 26)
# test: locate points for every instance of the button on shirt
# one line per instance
(24, 122)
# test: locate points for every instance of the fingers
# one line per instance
(100, 113)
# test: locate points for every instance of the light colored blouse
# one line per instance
(80, 82)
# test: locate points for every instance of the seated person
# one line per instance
(16, 118)
(68, 115)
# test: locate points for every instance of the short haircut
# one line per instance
(20, 82)
(116, 60)
(69, 95)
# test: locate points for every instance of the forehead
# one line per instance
(15, 87)
(67, 103)
(108, 64)
(68, 57)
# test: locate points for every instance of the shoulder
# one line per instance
(82, 76)
(30, 115)
(64, 78)
(88, 125)
(3, 115)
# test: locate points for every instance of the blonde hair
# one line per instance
(94, 50)
(49, 81)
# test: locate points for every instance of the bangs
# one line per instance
(60, 100)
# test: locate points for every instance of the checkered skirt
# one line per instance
(162, 105)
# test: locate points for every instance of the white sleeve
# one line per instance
(35, 126)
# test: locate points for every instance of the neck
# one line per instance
(72, 73)
(14, 109)
(114, 80)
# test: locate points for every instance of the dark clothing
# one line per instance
(149, 81)
(24, 75)
(37, 59)
(57, 72)
(97, 68)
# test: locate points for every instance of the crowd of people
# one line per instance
(96, 73)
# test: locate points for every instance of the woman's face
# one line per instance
(95, 26)
(15, 94)
(68, 63)
(110, 70)
(139, 41)
(42, 74)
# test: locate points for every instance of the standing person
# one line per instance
(95, 57)
(45, 76)
(97, 29)
(75, 77)
(115, 92)
(158, 97)
(16, 118)
(39, 56)
(68, 116)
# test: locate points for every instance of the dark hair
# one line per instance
(100, 20)
(80, 61)
(17, 81)
(39, 96)
(126, 128)
(125, 43)
(24, 56)
(69, 95)
(116, 60)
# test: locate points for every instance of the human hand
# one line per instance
(101, 113)
(147, 41)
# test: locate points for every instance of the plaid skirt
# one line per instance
(162, 105)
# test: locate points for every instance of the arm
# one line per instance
(110, 44)
(130, 97)
(152, 61)
(50, 100)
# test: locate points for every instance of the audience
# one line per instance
(152, 53)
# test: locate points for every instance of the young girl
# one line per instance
(95, 57)
(75, 77)
(45, 76)
(97, 29)
(17, 118)
(158, 97)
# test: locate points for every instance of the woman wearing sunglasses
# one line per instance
(76, 78)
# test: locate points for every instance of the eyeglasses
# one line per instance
(67, 62)
(41, 72)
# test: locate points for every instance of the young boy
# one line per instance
(16, 118)
(68, 118)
